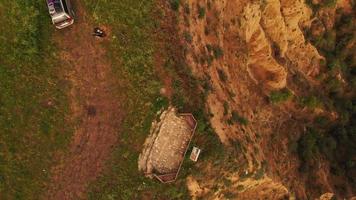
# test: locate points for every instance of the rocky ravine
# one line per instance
(246, 49)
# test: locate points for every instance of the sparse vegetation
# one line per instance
(174, 4)
(222, 75)
(322, 4)
(186, 9)
(310, 102)
(188, 37)
(229, 195)
(321, 121)
(226, 108)
(259, 173)
(240, 188)
(201, 12)
(236, 118)
(217, 52)
(280, 96)
(308, 145)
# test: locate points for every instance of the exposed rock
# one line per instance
(326, 196)
(265, 188)
(264, 49)
(264, 68)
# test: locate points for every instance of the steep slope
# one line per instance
(251, 52)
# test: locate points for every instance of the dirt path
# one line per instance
(92, 104)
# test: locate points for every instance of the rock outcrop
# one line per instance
(261, 45)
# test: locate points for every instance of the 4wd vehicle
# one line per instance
(61, 13)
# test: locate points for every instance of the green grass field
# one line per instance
(30, 130)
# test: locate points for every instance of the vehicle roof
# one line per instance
(57, 6)
(50, 1)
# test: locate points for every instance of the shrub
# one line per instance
(229, 195)
(259, 174)
(310, 102)
(217, 51)
(226, 108)
(307, 145)
(188, 37)
(174, 4)
(236, 118)
(222, 75)
(227, 182)
(327, 145)
(334, 85)
(201, 12)
(321, 121)
(329, 3)
(206, 30)
(293, 146)
(186, 9)
(280, 96)
(240, 188)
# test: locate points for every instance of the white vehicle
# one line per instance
(61, 13)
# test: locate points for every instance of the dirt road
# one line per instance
(93, 106)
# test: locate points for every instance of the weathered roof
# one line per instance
(167, 144)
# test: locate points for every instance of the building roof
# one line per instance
(165, 148)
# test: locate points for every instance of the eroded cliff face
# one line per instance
(246, 49)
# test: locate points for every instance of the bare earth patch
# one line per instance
(92, 105)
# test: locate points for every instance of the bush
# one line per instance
(201, 12)
(280, 96)
(217, 52)
(321, 121)
(293, 146)
(329, 3)
(236, 118)
(229, 195)
(226, 108)
(174, 4)
(222, 75)
(188, 37)
(310, 102)
(186, 9)
(259, 173)
(307, 145)
(327, 145)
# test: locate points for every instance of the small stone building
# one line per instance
(167, 144)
